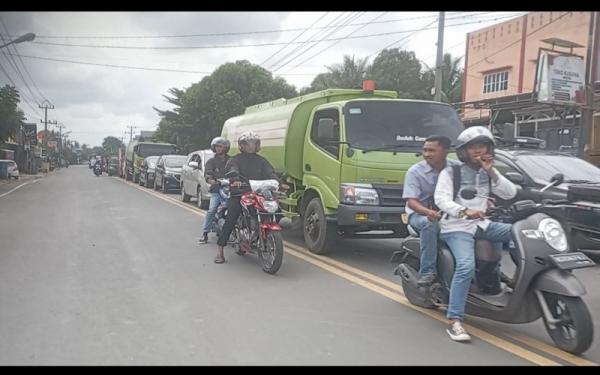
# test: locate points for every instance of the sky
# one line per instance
(96, 101)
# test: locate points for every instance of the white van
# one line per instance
(193, 183)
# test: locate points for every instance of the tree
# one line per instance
(347, 75)
(452, 77)
(398, 70)
(112, 144)
(11, 117)
(201, 110)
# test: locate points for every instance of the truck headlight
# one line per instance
(358, 194)
(554, 234)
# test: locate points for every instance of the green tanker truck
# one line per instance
(345, 154)
(138, 150)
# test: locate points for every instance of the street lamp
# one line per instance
(23, 38)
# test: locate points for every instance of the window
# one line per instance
(495, 82)
(325, 131)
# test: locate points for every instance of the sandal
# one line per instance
(219, 259)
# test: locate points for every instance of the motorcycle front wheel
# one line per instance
(271, 252)
(575, 331)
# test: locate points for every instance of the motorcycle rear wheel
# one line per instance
(575, 332)
(271, 252)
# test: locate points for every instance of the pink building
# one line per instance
(500, 65)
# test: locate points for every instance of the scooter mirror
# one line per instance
(468, 194)
(557, 179)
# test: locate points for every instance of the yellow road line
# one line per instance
(394, 291)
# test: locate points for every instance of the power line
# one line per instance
(237, 33)
(21, 94)
(128, 66)
(326, 48)
(304, 43)
(426, 27)
(218, 46)
(15, 66)
(297, 36)
(348, 19)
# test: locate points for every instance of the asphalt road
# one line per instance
(96, 271)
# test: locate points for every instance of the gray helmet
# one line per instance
(220, 141)
(473, 135)
(249, 137)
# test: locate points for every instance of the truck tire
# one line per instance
(136, 178)
(127, 176)
(319, 235)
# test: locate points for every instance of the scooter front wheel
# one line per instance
(271, 253)
(574, 332)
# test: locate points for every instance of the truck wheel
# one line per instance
(184, 196)
(127, 176)
(136, 178)
(319, 235)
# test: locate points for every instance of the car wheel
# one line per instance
(155, 185)
(163, 186)
(184, 196)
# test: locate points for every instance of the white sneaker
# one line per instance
(457, 332)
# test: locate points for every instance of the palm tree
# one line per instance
(452, 78)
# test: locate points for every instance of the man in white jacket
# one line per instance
(464, 220)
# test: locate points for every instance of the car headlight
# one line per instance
(358, 194)
(271, 206)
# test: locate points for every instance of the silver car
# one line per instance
(193, 183)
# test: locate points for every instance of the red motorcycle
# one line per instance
(257, 230)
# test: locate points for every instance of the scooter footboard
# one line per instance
(559, 282)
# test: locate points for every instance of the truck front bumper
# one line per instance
(374, 217)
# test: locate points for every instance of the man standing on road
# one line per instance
(423, 215)
(214, 170)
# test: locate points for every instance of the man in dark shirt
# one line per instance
(252, 167)
(214, 170)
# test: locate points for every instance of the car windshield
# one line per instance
(175, 161)
(543, 167)
(398, 124)
(149, 149)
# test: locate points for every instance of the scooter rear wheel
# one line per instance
(575, 331)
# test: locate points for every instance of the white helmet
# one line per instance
(249, 137)
(472, 135)
(220, 141)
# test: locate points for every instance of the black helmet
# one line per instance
(220, 141)
(473, 135)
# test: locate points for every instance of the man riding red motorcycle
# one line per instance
(251, 166)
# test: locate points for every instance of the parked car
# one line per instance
(532, 168)
(168, 172)
(113, 166)
(12, 169)
(193, 183)
(147, 171)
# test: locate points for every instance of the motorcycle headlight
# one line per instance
(554, 234)
(271, 206)
(358, 194)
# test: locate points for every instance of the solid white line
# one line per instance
(23, 184)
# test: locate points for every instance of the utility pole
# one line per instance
(437, 96)
(60, 128)
(131, 127)
(46, 106)
(587, 113)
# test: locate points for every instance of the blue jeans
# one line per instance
(428, 233)
(462, 245)
(215, 201)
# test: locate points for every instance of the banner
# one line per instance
(30, 132)
(560, 79)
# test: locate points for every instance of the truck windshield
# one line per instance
(393, 125)
(149, 149)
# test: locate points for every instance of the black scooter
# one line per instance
(543, 284)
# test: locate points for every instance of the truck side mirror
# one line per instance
(326, 129)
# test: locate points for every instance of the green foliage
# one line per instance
(201, 109)
(112, 144)
(11, 117)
